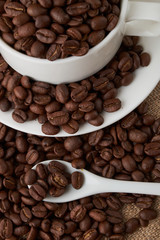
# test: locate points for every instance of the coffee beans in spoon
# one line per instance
(67, 106)
(57, 29)
(52, 179)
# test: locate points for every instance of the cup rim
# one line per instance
(95, 49)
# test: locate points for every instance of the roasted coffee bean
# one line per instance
(145, 59)
(129, 163)
(41, 171)
(25, 214)
(112, 105)
(37, 192)
(71, 126)
(9, 182)
(59, 15)
(53, 52)
(78, 213)
(3, 167)
(137, 136)
(58, 118)
(35, 10)
(32, 156)
(144, 202)
(57, 228)
(14, 9)
(97, 215)
(152, 149)
(19, 115)
(147, 214)
(39, 211)
(55, 166)
(59, 180)
(62, 93)
(132, 225)
(30, 177)
(6, 228)
(105, 228)
(90, 234)
(21, 230)
(77, 180)
(96, 37)
(45, 36)
(49, 129)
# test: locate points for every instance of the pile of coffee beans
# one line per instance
(69, 105)
(127, 150)
(55, 29)
(52, 179)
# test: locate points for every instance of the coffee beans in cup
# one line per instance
(68, 106)
(57, 29)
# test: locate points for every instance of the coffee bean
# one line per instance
(152, 149)
(147, 214)
(77, 180)
(19, 116)
(25, 214)
(105, 228)
(32, 233)
(37, 192)
(35, 10)
(59, 180)
(62, 93)
(39, 211)
(6, 228)
(71, 126)
(21, 230)
(58, 118)
(145, 59)
(112, 22)
(90, 234)
(77, 9)
(57, 228)
(14, 8)
(26, 30)
(59, 15)
(78, 213)
(97, 215)
(112, 105)
(72, 143)
(96, 37)
(144, 202)
(41, 171)
(3, 167)
(30, 177)
(9, 182)
(32, 156)
(129, 163)
(49, 129)
(137, 136)
(45, 36)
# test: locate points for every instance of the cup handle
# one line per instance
(142, 18)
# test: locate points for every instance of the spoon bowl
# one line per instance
(94, 184)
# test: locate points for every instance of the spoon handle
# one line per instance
(111, 185)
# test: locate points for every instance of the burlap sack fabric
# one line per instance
(152, 232)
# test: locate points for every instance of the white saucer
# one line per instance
(131, 96)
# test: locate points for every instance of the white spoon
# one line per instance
(94, 184)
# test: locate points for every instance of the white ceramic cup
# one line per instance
(137, 18)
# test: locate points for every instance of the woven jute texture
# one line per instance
(152, 232)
